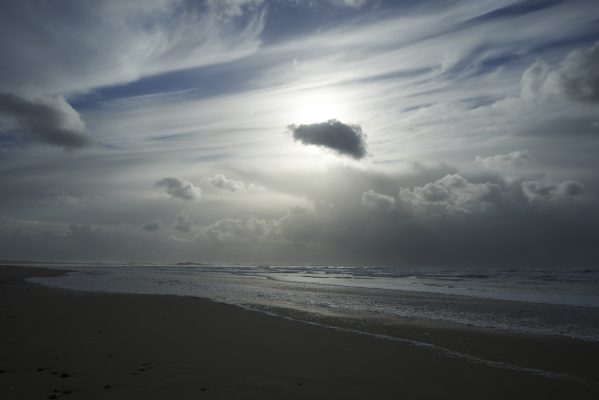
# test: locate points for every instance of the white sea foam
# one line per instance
(550, 302)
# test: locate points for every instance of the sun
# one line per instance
(318, 106)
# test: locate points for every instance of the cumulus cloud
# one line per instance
(299, 225)
(246, 229)
(348, 140)
(536, 191)
(451, 194)
(513, 159)
(454, 195)
(220, 181)
(179, 188)
(50, 120)
(378, 202)
(576, 77)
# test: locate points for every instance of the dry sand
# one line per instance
(64, 344)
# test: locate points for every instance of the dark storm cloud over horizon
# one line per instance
(465, 134)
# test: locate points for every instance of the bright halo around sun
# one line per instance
(319, 106)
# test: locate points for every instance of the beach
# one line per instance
(71, 344)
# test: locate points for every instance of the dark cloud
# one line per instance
(548, 191)
(80, 232)
(344, 139)
(49, 120)
(151, 226)
(179, 188)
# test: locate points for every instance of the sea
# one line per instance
(558, 302)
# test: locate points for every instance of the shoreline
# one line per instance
(294, 348)
(442, 309)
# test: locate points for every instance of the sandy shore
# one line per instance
(62, 344)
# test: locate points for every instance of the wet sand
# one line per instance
(66, 344)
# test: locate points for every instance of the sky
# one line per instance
(459, 133)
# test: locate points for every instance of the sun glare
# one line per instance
(318, 107)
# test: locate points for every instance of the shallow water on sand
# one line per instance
(548, 302)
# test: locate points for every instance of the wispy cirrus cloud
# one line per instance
(115, 42)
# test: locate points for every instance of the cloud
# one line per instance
(151, 226)
(344, 139)
(336, 3)
(232, 8)
(222, 182)
(431, 85)
(179, 188)
(451, 194)
(537, 191)
(374, 201)
(454, 195)
(246, 229)
(349, 3)
(298, 226)
(513, 159)
(50, 120)
(87, 44)
(576, 77)
(85, 233)
(183, 223)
